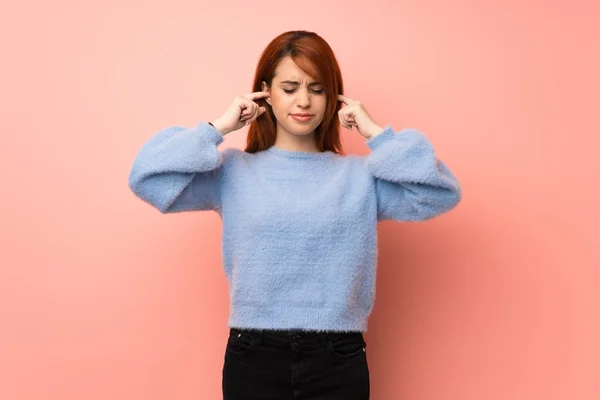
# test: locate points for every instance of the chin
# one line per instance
(300, 130)
(303, 132)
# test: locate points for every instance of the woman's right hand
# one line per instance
(240, 113)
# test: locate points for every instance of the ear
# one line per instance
(265, 88)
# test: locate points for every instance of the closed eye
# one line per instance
(293, 90)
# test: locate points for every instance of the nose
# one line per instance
(303, 98)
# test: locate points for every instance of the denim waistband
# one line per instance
(295, 337)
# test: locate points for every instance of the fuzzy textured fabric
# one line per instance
(299, 242)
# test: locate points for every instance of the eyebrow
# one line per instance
(296, 83)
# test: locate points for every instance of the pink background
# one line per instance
(102, 297)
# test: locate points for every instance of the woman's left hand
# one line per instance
(355, 114)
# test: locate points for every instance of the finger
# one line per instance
(257, 95)
(343, 120)
(249, 110)
(345, 116)
(244, 109)
(347, 120)
(345, 99)
(256, 113)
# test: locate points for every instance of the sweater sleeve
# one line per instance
(411, 183)
(180, 169)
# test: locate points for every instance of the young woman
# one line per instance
(299, 218)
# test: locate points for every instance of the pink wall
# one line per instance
(102, 297)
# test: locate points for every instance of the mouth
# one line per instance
(302, 117)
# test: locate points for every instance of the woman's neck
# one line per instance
(289, 142)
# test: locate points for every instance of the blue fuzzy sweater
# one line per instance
(299, 229)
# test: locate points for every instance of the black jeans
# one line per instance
(295, 365)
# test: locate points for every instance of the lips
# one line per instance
(302, 117)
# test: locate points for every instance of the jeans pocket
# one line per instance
(240, 341)
(348, 346)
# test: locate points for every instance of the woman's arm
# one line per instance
(411, 183)
(180, 169)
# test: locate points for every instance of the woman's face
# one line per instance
(294, 92)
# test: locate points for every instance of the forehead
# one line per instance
(287, 70)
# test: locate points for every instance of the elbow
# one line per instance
(164, 208)
(440, 205)
(143, 189)
(453, 198)
(450, 200)
(135, 183)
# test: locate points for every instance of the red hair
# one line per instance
(313, 55)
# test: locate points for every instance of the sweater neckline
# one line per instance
(299, 154)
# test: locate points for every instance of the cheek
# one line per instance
(283, 106)
(322, 104)
(278, 103)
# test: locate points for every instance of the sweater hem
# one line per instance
(296, 318)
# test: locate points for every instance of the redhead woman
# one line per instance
(299, 217)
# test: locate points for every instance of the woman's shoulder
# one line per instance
(231, 153)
